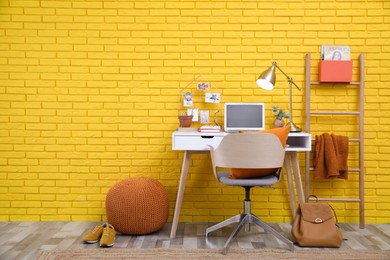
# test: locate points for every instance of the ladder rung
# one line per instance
(356, 140)
(349, 170)
(346, 83)
(335, 199)
(334, 113)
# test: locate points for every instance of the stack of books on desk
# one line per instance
(187, 129)
(210, 129)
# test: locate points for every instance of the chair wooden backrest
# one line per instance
(248, 150)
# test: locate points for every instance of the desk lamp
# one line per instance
(267, 81)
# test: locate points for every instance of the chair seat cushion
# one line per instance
(267, 180)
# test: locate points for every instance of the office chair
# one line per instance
(248, 151)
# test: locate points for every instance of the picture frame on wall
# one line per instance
(203, 86)
(212, 97)
(204, 117)
(188, 100)
(195, 114)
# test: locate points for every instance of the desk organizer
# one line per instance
(335, 71)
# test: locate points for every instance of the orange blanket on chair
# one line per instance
(330, 157)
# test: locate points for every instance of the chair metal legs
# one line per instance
(225, 223)
(245, 219)
(236, 230)
(259, 222)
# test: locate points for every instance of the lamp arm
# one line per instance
(288, 78)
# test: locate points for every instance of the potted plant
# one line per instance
(185, 120)
(279, 115)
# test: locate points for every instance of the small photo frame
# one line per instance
(204, 117)
(195, 114)
(212, 97)
(188, 101)
(203, 86)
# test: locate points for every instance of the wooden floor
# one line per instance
(24, 240)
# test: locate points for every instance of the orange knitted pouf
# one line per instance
(137, 206)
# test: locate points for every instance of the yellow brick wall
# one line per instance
(90, 90)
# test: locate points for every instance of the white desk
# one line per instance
(195, 142)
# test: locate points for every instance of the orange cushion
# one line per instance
(282, 134)
(250, 173)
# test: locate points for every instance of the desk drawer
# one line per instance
(196, 142)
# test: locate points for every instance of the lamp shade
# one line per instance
(267, 79)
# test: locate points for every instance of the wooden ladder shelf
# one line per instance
(360, 139)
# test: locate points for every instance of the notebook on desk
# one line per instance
(244, 116)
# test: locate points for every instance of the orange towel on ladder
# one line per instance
(330, 157)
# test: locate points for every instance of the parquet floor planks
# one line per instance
(24, 240)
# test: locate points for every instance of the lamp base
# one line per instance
(294, 128)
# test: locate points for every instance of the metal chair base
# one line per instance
(244, 220)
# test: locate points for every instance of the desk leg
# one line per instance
(297, 177)
(287, 166)
(180, 192)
